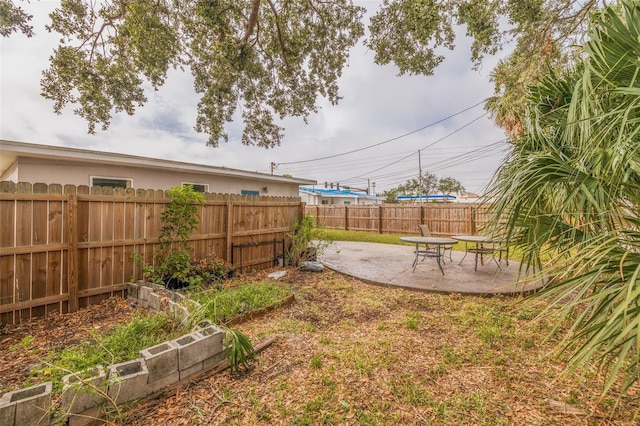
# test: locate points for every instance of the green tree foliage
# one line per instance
(14, 19)
(570, 190)
(422, 185)
(426, 185)
(449, 185)
(414, 35)
(269, 59)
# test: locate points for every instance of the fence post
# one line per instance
(72, 235)
(380, 219)
(229, 237)
(346, 217)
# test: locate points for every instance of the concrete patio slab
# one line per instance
(390, 264)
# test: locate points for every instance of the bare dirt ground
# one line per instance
(348, 352)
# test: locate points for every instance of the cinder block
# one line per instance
(176, 297)
(171, 305)
(128, 381)
(143, 294)
(161, 360)
(7, 412)
(132, 291)
(165, 381)
(204, 323)
(92, 417)
(214, 360)
(189, 350)
(214, 339)
(181, 313)
(154, 301)
(196, 347)
(79, 394)
(29, 406)
(195, 368)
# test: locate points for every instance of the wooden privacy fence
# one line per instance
(443, 219)
(62, 248)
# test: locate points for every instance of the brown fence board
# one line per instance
(106, 268)
(7, 222)
(56, 230)
(40, 219)
(7, 273)
(54, 273)
(23, 224)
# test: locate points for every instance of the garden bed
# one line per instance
(24, 346)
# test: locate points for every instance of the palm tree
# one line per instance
(571, 188)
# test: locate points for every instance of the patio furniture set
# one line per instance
(428, 246)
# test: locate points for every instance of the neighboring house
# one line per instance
(32, 163)
(315, 196)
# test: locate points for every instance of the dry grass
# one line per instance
(354, 353)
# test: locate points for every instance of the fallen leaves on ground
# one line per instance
(24, 346)
(349, 352)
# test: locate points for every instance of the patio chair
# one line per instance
(426, 232)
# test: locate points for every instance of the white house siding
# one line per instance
(36, 170)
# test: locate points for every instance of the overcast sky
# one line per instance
(377, 106)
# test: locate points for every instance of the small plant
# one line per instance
(171, 261)
(306, 241)
(239, 349)
(25, 342)
(316, 362)
(211, 270)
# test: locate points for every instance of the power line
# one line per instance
(422, 149)
(400, 176)
(385, 141)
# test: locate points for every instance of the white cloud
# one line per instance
(377, 105)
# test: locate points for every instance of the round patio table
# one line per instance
(480, 249)
(429, 242)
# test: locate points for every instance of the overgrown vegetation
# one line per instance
(570, 189)
(126, 341)
(307, 241)
(172, 263)
(122, 344)
(219, 305)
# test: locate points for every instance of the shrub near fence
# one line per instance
(63, 248)
(443, 220)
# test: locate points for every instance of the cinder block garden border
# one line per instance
(85, 393)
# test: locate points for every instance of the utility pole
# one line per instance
(420, 176)
(368, 186)
(273, 166)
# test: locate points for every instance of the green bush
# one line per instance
(307, 241)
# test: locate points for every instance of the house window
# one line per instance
(112, 182)
(249, 192)
(324, 201)
(198, 187)
(347, 202)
